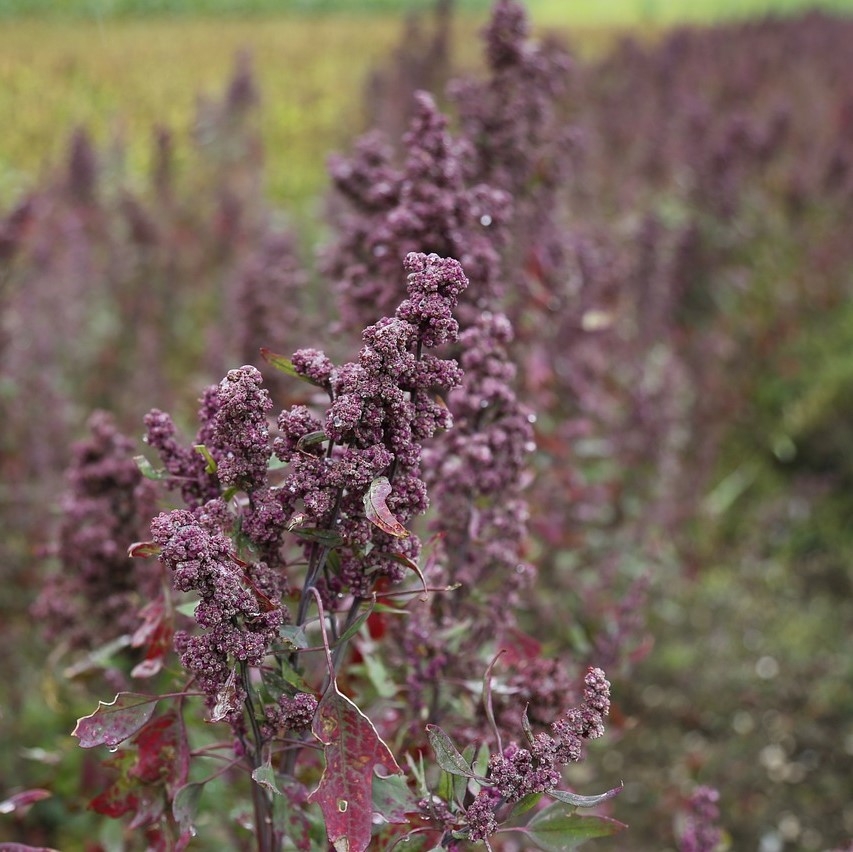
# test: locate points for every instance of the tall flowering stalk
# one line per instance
(307, 527)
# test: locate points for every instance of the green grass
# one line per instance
(576, 13)
(119, 67)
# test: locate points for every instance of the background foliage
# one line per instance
(746, 686)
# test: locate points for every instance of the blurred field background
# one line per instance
(120, 68)
(748, 687)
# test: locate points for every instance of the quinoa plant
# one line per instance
(298, 558)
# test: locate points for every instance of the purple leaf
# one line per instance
(113, 722)
(23, 800)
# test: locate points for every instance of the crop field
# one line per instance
(525, 522)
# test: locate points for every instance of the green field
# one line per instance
(120, 67)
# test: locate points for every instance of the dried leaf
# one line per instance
(113, 722)
(227, 701)
(352, 749)
(377, 511)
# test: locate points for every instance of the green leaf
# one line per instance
(148, 470)
(280, 362)
(326, 538)
(204, 452)
(522, 806)
(294, 635)
(310, 439)
(447, 755)
(185, 806)
(265, 776)
(583, 801)
(378, 676)
(356, 625)
(559, 829)
(286, 675)
(392, 799)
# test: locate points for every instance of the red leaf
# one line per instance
(114, 722)
(143, 549)
(377, 511)
(352, 749)
(122, 796)
(23, 800)
(156, 633)
(164, 756)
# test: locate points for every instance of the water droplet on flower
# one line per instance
(193, 831)
(485, 220)
(484, 403)
(380, 251)
(529, 447)
(113, 749)
(338, 422)
(343, 804)
(531, 418)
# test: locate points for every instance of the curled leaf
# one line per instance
(143, 549)
(377, 511)
(583, 801)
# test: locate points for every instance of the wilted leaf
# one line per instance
(352, 749)
(447, 755)
(227, 700)
(559, 829)
(583, 801)
(23, 800)
(113, 722)
(377, 511)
